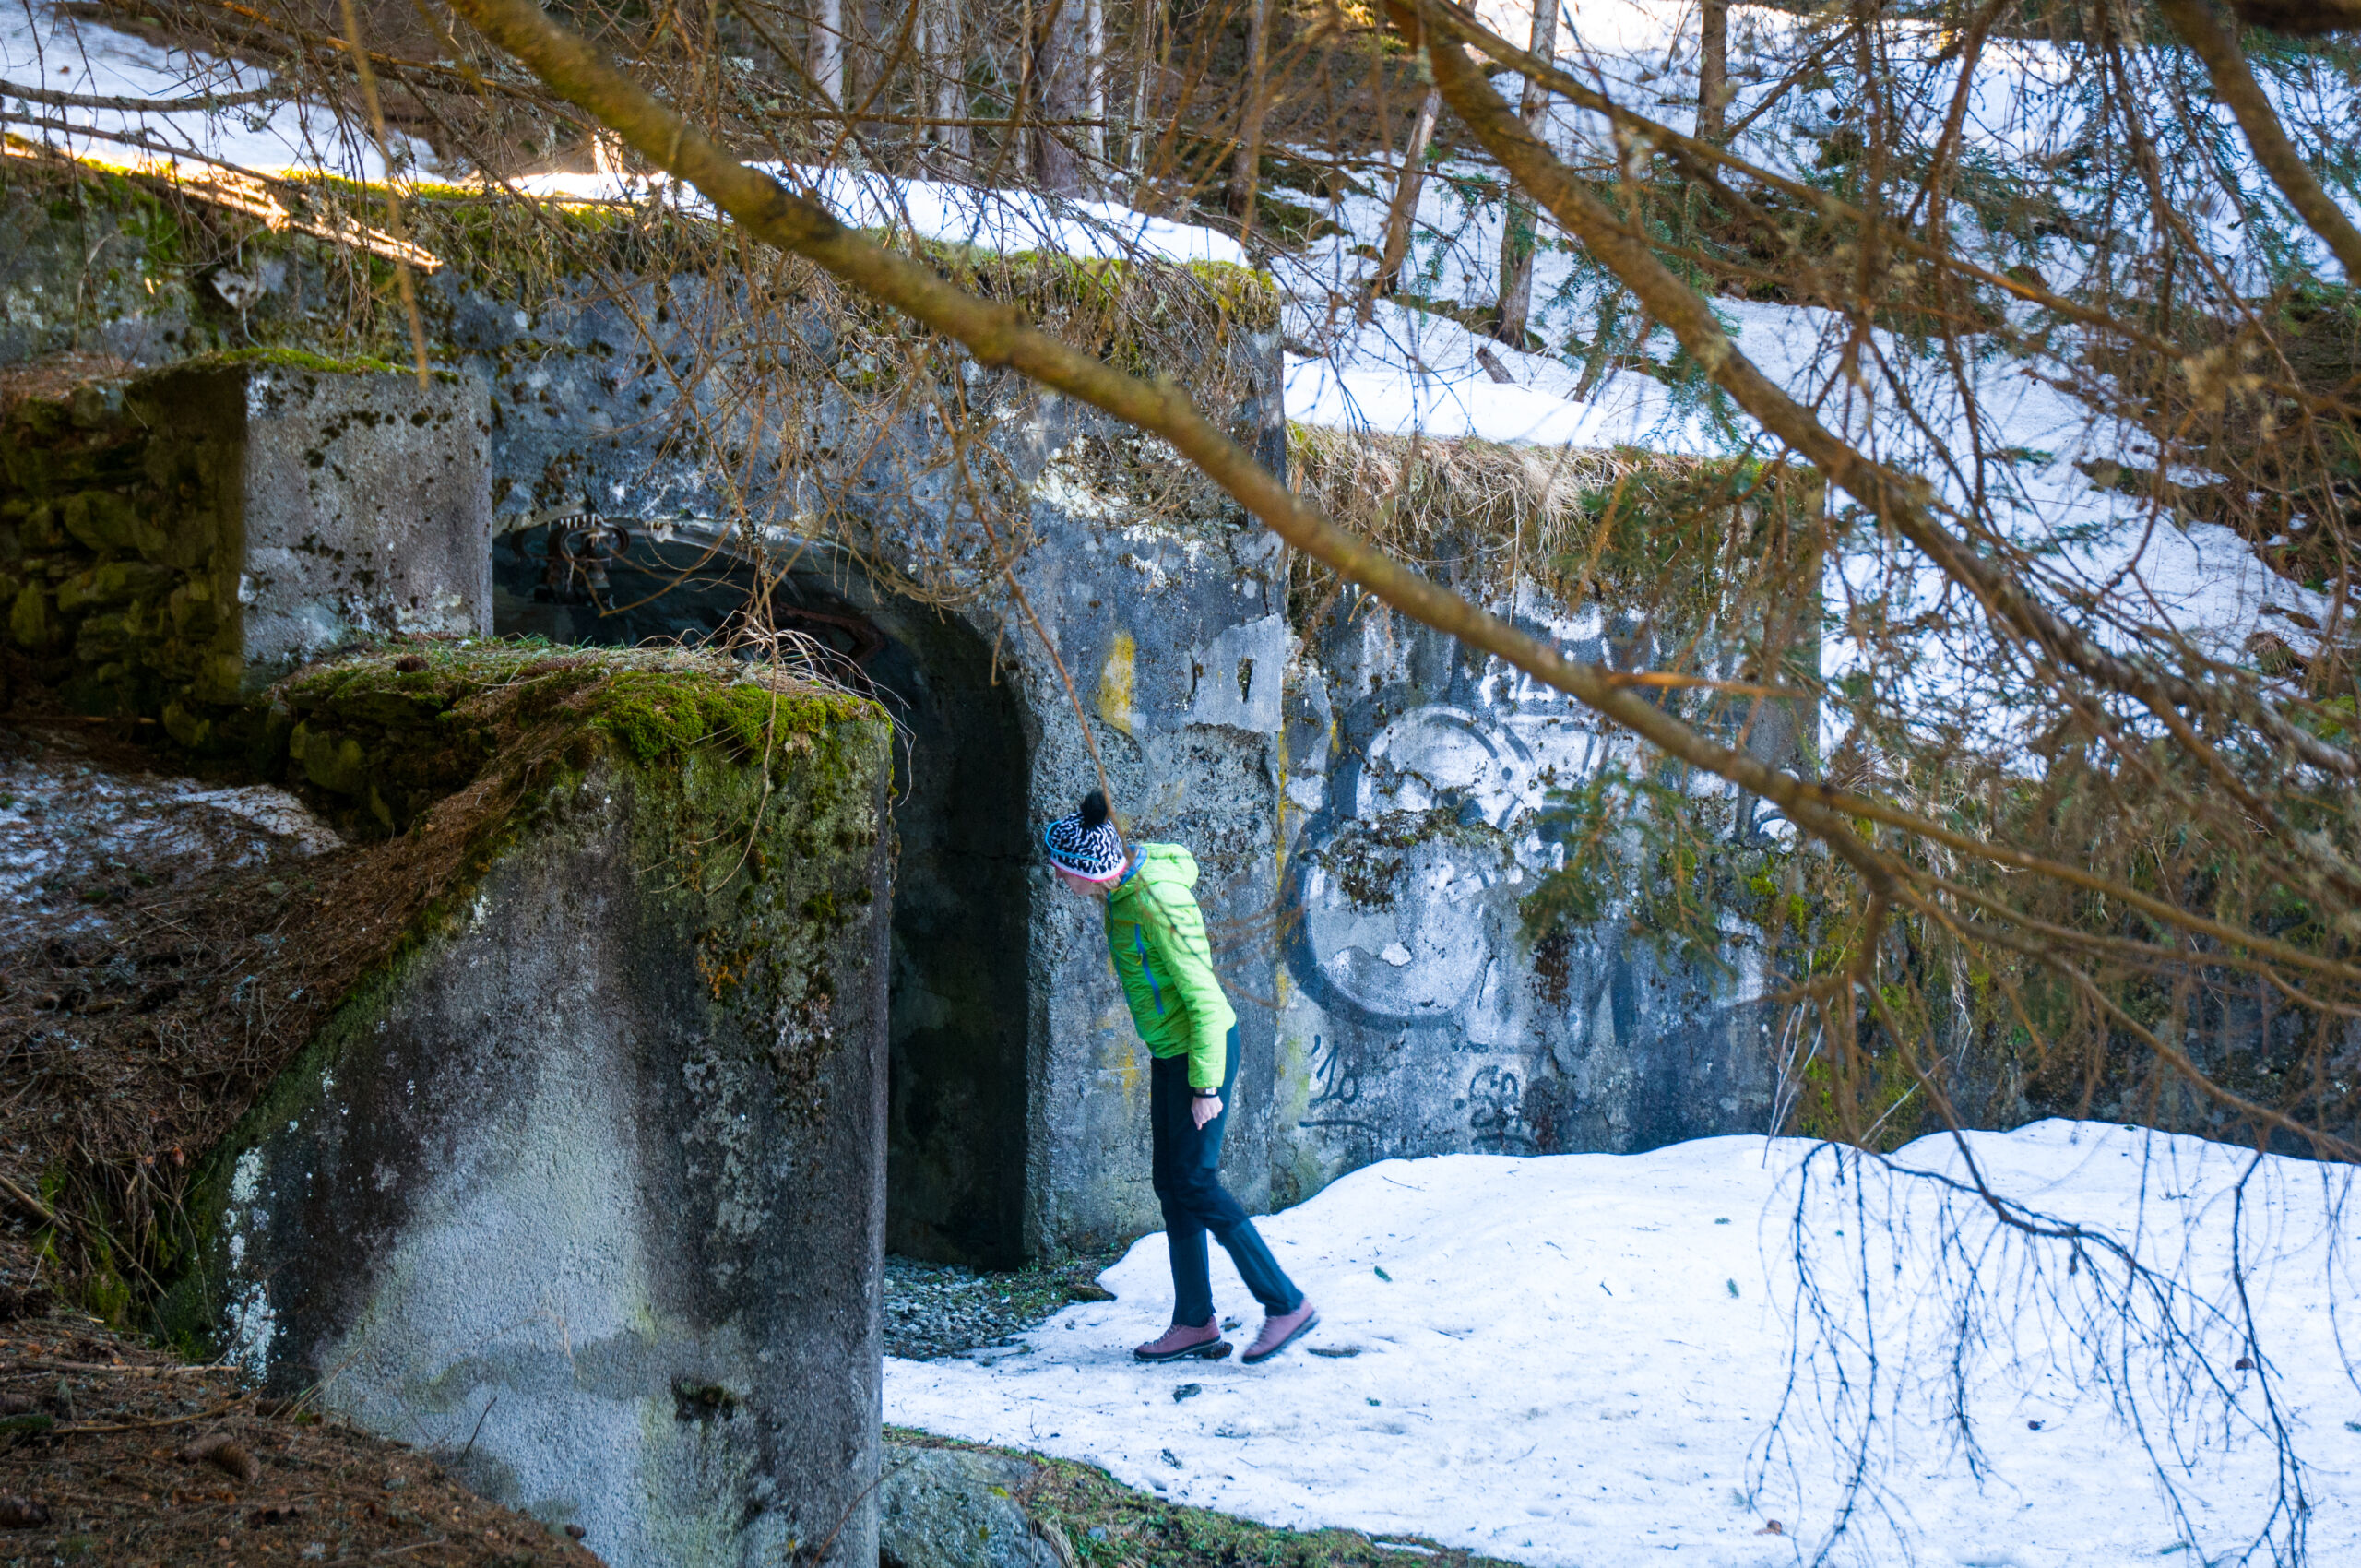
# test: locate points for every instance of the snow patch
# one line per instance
(1580, 1358)
(67, 54)
(1002, 221)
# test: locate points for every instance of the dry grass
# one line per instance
(1481, 507)
(1654, 533)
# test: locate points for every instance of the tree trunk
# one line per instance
(828, 51)
(1248, 160)
(1520, 218)
(1713, 68)
(1406, 202)
(947, 67)
(1058, 96)
(1094, 80)
(1145, 40)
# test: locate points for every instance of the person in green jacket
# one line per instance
(1155, 934)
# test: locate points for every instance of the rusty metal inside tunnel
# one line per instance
(961, 998)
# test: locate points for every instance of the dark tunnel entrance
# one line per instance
(960, 1004)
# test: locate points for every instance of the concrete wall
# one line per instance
(1420, 1018)
(172, 544)
(1178, 648)
(1161, 601)
(1368, 807)
(363, 505)
(587, 1196)
(1170, 620)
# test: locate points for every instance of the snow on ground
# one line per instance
(43, 48)
(1007, 221)
(71, 828)
(1011, 220)
(1408, 370)
(1413, 371)
(1590, 1358)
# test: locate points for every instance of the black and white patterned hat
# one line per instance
(1086, 843)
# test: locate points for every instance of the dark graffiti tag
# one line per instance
(1496, 1113)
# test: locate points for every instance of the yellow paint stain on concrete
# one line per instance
(1117, 679)
(1279, 834)
(1292, 1081)
(1122, 1059)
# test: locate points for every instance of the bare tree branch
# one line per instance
(1904, 501)
(201, 102)
(999, 335)
(2217, 46)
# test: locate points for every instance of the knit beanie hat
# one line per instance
(1086, 843)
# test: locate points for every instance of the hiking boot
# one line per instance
(1204, 1340)
(1281, 1332)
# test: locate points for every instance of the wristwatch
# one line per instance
(1205, 1094)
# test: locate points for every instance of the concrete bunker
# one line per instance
(960, 1005)
(573, 1169)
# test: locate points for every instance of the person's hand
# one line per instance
(1205, 1107)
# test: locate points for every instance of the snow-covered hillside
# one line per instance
(1993, 432)
(1593, 1358)
(1412, 370)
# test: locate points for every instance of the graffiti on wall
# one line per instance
(1428, 1019)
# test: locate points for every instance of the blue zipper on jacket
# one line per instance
(1155, 991)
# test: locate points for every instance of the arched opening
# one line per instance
(958, 1007)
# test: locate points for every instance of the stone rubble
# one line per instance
(933, 1311)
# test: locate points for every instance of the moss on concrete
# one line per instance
(749, 801)
(115, 554)
(379, 740)
(124, 540)
(146, 233)
(1366, 856)
(288, 358)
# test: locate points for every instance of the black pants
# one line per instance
(1188, 1182)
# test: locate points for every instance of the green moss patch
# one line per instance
(289, 358)
(116, 569)
(382, 738)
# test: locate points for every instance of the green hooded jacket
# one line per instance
(1155, 934)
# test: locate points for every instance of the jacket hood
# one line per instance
(1167, 865)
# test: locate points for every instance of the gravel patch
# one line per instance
(933, 1310)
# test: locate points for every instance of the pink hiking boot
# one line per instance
(1204, 1340)
(1281, 1332)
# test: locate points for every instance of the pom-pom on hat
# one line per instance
(1086, 843)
